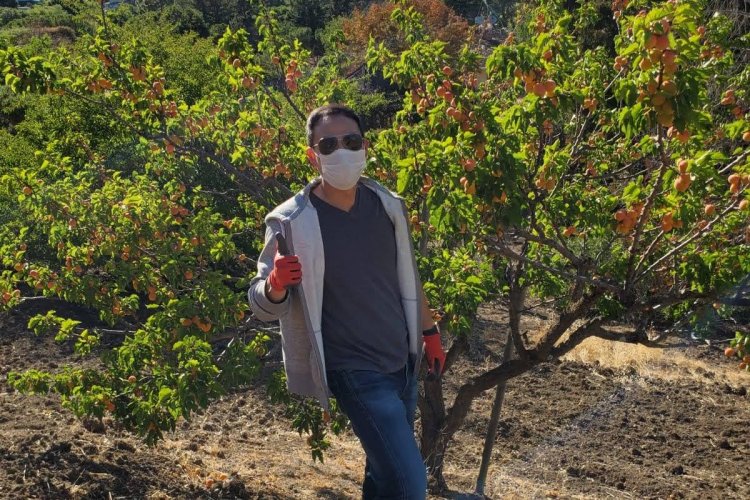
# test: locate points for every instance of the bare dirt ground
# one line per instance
(612, 420)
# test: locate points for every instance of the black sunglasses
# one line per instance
(328, 145)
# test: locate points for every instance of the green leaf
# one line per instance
(403, 180)
(164, 394)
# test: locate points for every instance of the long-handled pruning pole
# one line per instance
(489, 440)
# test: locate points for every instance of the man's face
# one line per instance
(331, 126)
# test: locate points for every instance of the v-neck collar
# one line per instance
(353, 208)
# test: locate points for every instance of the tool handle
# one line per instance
(281, 244)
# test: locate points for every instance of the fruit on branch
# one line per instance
(728, 98)
(682, 183)
(682, 166)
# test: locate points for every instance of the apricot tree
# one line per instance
(149, 220)
(613, 186)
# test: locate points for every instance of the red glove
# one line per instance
(287, 271)
(434, 351)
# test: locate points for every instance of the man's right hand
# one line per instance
(287, 271)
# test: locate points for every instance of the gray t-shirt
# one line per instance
(363, 323)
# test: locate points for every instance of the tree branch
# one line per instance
(648, 251)
(564, 251)
(288, 99)
(566, 320)
(734, 162)
(590, 328)
(477, 385)
(515, 302)
(509, 369)
(631, 270)
(700, 233)
(458, 347)
(507, 252)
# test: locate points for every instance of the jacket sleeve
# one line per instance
(262, 308)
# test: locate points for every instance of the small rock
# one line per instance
(677, 470)
(124, 446)
(63, 447)
(724, 445)
(93, 425)
(573, 472)
(236, 488)
(90, 450)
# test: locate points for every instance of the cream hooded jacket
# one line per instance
(300, 313)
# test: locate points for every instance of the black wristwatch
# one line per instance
(431, 331)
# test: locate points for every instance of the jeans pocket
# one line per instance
(343, 383)
(363, 380)
(346, 395)
(333, 381)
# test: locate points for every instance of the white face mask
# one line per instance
(342, 168)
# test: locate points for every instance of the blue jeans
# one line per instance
(381, 408)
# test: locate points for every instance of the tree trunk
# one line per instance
(432, 417)
(437, 431)
(439, 426)
(432, 412)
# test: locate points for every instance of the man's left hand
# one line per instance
(434, 350)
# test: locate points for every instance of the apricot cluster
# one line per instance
(293, 73)
(626, 219)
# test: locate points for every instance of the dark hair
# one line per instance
(330, 110)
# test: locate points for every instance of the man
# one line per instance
(343, 283)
